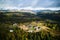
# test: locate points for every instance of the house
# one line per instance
(15, 25)
(11, 30)
(30, 31)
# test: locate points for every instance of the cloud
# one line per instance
(30, 8)
(30, 4)
(57, 3)
(44, 3)
(34, 2)
(40, 8)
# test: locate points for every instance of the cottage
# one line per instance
(30, 31)
(15, 25)
(11, 30)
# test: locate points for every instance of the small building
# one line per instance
(30, 31)
(15, 25)
(11, 30)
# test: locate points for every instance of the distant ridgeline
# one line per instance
(29, 15)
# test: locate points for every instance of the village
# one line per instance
(30, 27)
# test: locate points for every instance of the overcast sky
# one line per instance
(30, 4)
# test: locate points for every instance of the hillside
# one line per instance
(24, 25)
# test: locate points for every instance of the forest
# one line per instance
(10, 32)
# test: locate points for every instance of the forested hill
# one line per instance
(14, 24)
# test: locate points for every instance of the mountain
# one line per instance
(31, 11)
(47, 11)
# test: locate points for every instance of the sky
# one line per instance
(30, 4)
